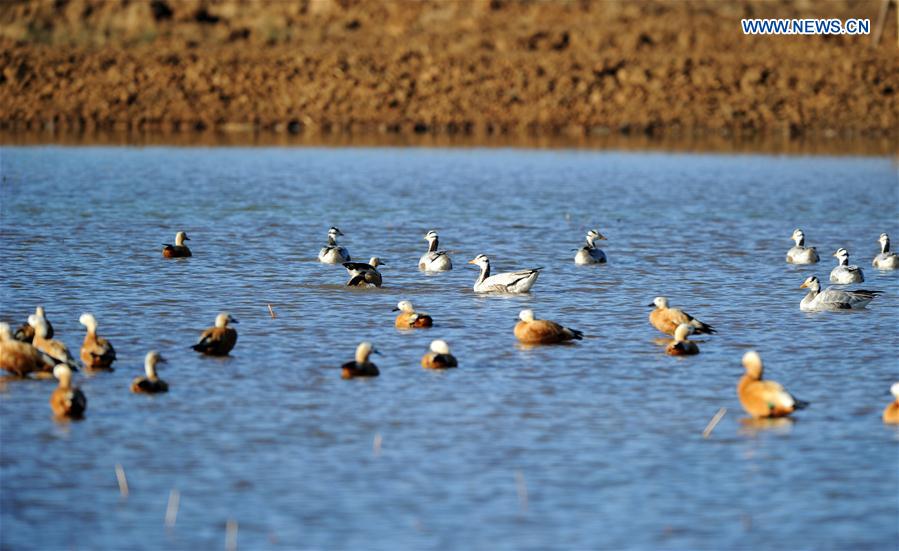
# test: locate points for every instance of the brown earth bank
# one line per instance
(471, 67)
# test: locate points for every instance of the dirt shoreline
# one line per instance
(581, 70)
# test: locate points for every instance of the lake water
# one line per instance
(594, 445)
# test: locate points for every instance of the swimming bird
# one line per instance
(96, 352)
(891, 413)
(434, 260)
(362, 274)
(25, 333)
(361, 366)
(844, 274)
(667, 319)
(218, 340)
(533, 331)
(680, 346)
(150, 383)
(332, 253)
(179, 249)
(439, 357)
(589, 253)
(764, 398)
(409, 318)
(21, 358)
(510, 282)
(799, 253)
(885, 260)
(67, 400)
(56, 349)
(833, 299)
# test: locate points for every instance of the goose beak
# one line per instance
(601, 237)
(472, 261)
(804, 285)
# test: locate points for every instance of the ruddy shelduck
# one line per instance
(25, 333)
(680, 346)
(220, 339)
(362, 274)
(22, 358)
(150, 383)
(667, 319)
(67, 400)
(409, 318)
(96, 352)
(438, 357)
(179, 249)
(764, 398)
(533, 331)
(54, 348)
(891, 413)
(361, 366)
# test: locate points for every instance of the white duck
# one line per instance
(434, 260)
(885, 260)
(589, 253)
(799, 253)
(333, 253)
(511, 282)
(844, 274)
(833, 299)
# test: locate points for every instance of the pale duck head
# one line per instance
(223, 319)
(440, 347)
(526, 315)
(180, 238)
(752, 362)
(88, 320)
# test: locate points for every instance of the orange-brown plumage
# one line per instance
(762, 398)
(218, 340)
(66, 400)
(21, 358)
(535, 331)
(680, 346)
(667, 319)
(891, 413)
(409, 320)
(96, 351)
(361, 366)
(179, 249)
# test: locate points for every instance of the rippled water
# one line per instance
(594, 445)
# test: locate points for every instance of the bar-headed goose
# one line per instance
(25, 333)
(150, 383)
(680, 346)
(891, 413)
(361, 366)
(667, 319)
(56, 349)
(22, 358)
(438, 356)
(510, 282)
(179, 249)
(96, 352)
(799, 253)
(590, 253)
(67, 400)
(833, 299)
(218, 340)
(533, 331)
(885, 260)
(408, 318)
(332, 253)
(844, 274)
(434, 260)
(764, 398)
(364, 275)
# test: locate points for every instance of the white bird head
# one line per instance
(152, 358)
(5, 332)
(680, 334)
(363, 351)
(526, 315)
(404, 306)
(334, 232)
(374, 262)
(798, 237)
(39, 324)
(88, 320)
(811, 282)
(180, 238)
(480, 260)
(594, 234)
(752, 362)
(895, 390)
(431, 235)
(660, 302)
(63, 373)
(440, 347)
(223, 319)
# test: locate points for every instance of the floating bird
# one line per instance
(844, 274)
(218, 340)
(833, 299)
(885, 260)
(667, 319)
(799, 253)
(25, 333)
(67, 400)
(891, 413)
(54, 348)
(179, 249)
(680, 346)
(362, 274)
(360, 367)
(434, 260)
(96, 352)
(534, 331)
(151, 383)
(589, 253)
(764, 398)
(438, 357)
(409, 318)
(21, 358)
(510, 282)
(332, 253)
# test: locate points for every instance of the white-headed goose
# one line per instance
(361, 366)
(54, 348)
(179, 249)
(362, 274)
(886, 260)
(438, 356)
(799, 253)
(510, 282)
(332, 253)
(833, 299)
(590, 253)
(150, 383)
(764, 398)
(218, 340)
(667, 319)
(434, 260)
(680, 346)
(67, 400)
(408, 318)
(21, 358)
(25, 333)
(533, 331)
(891, 413)
(844, 274)
(96, 352)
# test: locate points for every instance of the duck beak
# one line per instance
(472, 261)
(186, 238)
(161, 360)
(232, 320)
(376, 351)
(651, 305)
(804, 285)
(395, 310)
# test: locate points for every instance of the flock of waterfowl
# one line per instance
(33, 351)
